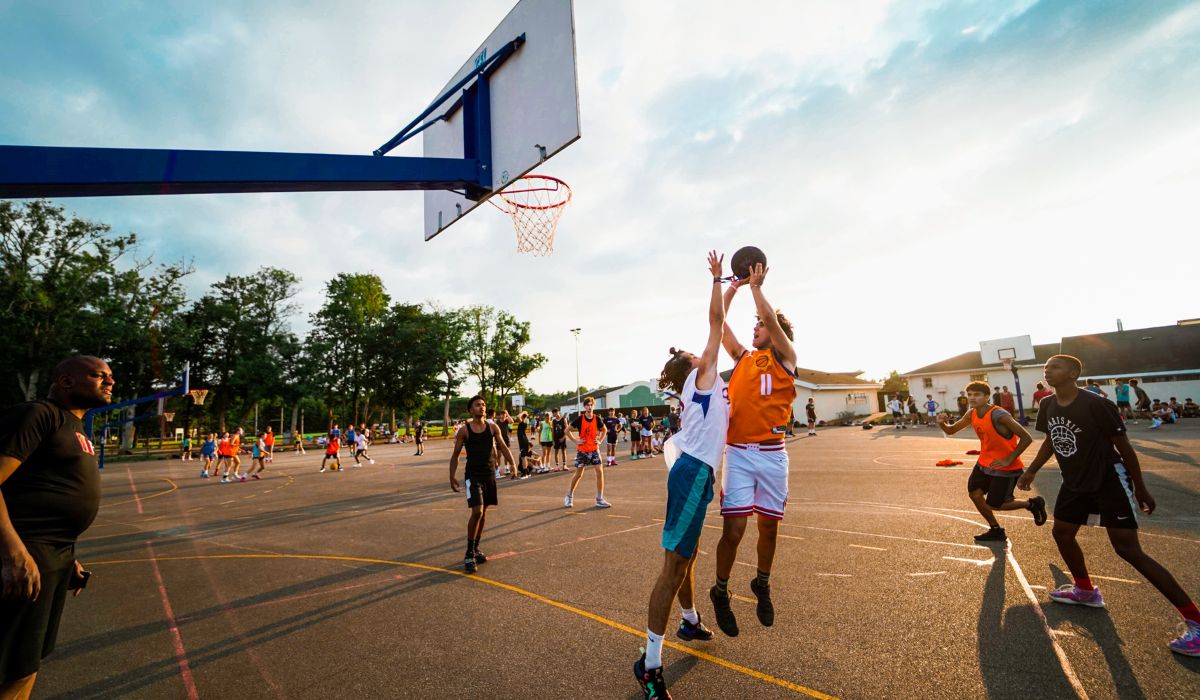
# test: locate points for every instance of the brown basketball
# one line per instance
(745, 259)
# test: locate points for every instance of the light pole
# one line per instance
(578, 395)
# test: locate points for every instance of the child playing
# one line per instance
(333, 448)
(1001, 442)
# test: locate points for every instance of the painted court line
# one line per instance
(138, 500)
(185, 670)
(639, 634)
(887, 537)
(863, 546)
(835, 575)
(927, 573)
(976, 562)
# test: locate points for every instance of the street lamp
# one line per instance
(578, 394)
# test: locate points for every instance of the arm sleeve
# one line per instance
(23, 428)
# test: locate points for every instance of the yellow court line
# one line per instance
(765, 677)
(145, 498)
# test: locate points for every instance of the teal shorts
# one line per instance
(689, 491)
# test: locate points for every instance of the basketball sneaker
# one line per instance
(224, 480)
(568, 501)
(480, 558)
(322, 470)
(654, 686)
(1189, 643)
(1037, 506)
(204, 474)
(994, 534)
(689, 632)
(726, 620)
(256, 476)
(601, 503)
(1070, 595)
(241, 477)
(469, 563)
(765, 609)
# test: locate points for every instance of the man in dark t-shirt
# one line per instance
(1101, 476)
(479, 437)
(558, 425)
(49, 494)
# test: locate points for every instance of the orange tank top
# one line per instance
(992, 445)
(761, 393)
(589, 430)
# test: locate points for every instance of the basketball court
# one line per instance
(350, 584)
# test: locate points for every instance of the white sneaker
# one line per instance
(601, 503)
(224, 480)
(322, 469)
(241, 477)
(567, 501)
(371, 461)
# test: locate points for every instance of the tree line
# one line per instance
(68, 285)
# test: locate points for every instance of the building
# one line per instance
(1165, 360)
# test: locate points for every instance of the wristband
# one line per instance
(717, 280)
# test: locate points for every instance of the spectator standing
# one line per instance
(49, 495)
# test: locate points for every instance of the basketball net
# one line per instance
(535, 203)
(1007, 363)
(198, 396)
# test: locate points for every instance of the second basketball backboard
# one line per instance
(1018, 348)
(534, 104)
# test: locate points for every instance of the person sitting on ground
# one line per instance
(1161, 413)
(1190, 408)
(1176, 407)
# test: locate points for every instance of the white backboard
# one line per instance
(518, 400)
(1018, 348)
(534, 104)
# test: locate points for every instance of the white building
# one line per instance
(1165, 360)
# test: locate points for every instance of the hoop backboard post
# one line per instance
(181, 390)
(1008, 352)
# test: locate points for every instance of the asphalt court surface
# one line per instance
(350, 584)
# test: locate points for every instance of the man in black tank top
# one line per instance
(559, 428)
(479, 436)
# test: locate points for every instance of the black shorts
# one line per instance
(999, 489)
(546, 445)
(612, 438)
(1113, 503)
(28, 630)
(560, 443)
(1122, 404)
(481, 489)
(419, 438)
(897, 415)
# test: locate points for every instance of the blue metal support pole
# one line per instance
(47, 171)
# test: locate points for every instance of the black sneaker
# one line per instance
(725, 617)
(480, 558)
(765, 610)
(653, 685)
(995, 534)
(1037, 506)
(469, 562)
(689, 632)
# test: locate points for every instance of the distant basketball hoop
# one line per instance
(535, 203)
(169, 416)
(198, 396)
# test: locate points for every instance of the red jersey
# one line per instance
(589, 431)
(269, 439)
(331, 447)
(761, 392)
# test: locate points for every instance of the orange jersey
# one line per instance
(223, 448)
(992, 445)
(269, 439)
(761, 393)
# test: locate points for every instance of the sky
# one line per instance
(921, 175)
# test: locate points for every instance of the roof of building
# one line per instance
(1159, 349)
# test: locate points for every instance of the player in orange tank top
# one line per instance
(999, 465)
(755, 477)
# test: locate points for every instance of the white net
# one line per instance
(198, 396)
(535, 203)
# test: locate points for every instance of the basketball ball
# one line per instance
(745, 259)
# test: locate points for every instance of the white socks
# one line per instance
(690, 615)
(653, 650)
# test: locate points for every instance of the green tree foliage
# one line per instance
(344, 336)
(495, 351)
(895, 384)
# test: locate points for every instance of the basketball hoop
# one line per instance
(1007, 362)
(169, 416)
(535, 202)
(198, 396)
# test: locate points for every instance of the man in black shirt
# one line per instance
(559, 427)
(479, 437)
(49, 494)
(1101, 475)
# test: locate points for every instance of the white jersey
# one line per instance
(704, 422)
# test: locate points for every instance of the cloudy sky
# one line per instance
(922, 175)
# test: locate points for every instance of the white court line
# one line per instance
(863, 546)
(1112, 578)
(1063, 661)
(835, 575)
(976, 562)
(927, 573)
(789, 537)
(889, 537)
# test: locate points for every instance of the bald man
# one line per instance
(49, 494)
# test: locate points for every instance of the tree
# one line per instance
(51, 271)
(495, 353)
(405, 366)
(447, 337)
(895, 384)
(342, 336)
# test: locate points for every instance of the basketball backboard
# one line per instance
(1017, 348)
(534, 101)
